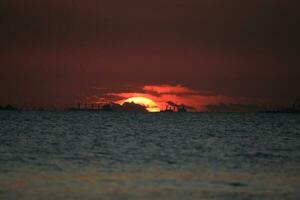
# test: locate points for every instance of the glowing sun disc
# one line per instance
(150, 105)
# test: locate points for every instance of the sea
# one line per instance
(152, 156)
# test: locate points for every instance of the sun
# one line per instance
(150, 105)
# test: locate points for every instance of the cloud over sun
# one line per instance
(158, 97)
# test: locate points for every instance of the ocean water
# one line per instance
(107, 155)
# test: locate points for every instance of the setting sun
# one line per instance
(150, 105)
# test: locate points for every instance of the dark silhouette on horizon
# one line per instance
(232, 108)
(127, 106)
(170, 107)
(173, 107)
(293, 108)
(8, 107)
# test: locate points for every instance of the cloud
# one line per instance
(176, 95)
(129, 106)
(169, 89)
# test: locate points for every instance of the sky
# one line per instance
(54, 53)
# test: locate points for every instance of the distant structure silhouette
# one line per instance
(168, 109)
(181, 108)
(106, 107)
(86, 107)
(232, 108)
(8, 107)
(296, 105)
(127, 106)
(109, 107)
(173, 107)
(293, 108)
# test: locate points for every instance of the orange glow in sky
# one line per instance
(157, 97)
(150, 105)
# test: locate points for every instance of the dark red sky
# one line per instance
(54, 52)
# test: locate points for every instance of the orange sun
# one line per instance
(150, 105)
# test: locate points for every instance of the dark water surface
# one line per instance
(89, 155)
